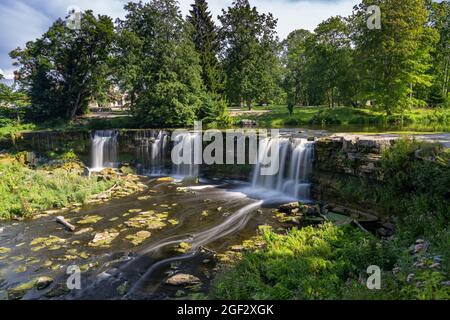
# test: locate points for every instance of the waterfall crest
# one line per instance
(152, 153)
(104, 149)
(295, 157)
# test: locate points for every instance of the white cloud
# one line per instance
(24, 20)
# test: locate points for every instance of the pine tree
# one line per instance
(204, 35)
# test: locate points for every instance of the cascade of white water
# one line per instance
(295, 166)
(104, 149)
(186, 166)
(153, 151)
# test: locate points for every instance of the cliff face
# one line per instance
(344, 168)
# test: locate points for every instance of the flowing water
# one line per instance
(233, 210)
(104, 149)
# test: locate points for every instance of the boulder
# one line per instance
(43, 282)
(190, 181)
(289, 207)
(182, 279)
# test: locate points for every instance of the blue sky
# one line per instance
(24, 20)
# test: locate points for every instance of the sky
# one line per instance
(25, 20)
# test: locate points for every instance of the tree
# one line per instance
(395, 59)
(440, 21)
(205, 37)
(295, 62)
(249, 53)
(331, 61)
(62, 70)
(163, 71)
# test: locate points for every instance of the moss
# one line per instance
(139, 237)
(90, 220)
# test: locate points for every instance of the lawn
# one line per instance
(416, 119)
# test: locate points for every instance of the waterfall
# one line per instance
(295, 159)
(104, 149)
(185, 161)
(152, 153)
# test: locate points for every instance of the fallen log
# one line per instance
(64, 222)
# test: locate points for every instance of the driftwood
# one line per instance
(208, 250)
(360, 226)
(64, 222)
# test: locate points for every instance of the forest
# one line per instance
(175, 70)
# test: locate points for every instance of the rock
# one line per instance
(383, 232)
(90, 220)
(435, 266)
(148, 220)
(21, 290)
(123, 288)
(43, 282)
(396, 270)
(446, 283)
(421, 247)
(103, 239)
(246, 123)
(237, 248)
(166, 179)
(182, 279)
(389, 226)
(183, 247)
(84, 230)
(410, 277)
(287, 208)
(139, 237)
(126, 169)
(190, 181)
(4, 250)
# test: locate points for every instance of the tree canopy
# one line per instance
(175, 70)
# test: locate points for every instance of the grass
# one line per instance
(325, 262)
(415, 119)
(24, 191)
(330, 262)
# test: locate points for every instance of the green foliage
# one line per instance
(326, 262)
(205, 37)
(394, 60)
(311, 263)
(416, 187)
(23, 190)
(416, 119)
(63, 69)
(162, 69)
(249, 53)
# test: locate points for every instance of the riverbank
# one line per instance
(30, 186)
(330, 262)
